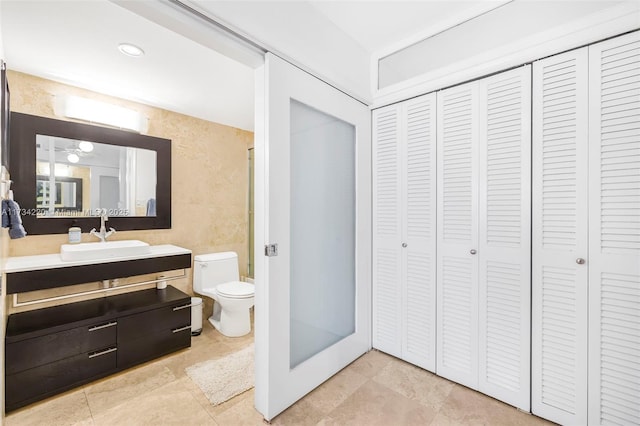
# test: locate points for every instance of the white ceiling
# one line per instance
(75, 42)
(378, 24)
(78, 47)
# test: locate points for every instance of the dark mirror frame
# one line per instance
(25, 128)
(4, 116)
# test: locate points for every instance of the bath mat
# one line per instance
(222, 379)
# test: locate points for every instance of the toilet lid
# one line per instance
(237, 289)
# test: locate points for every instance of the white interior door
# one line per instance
(614, 231)
(504, 249)
(559, 238)
(313, 172)
(404, 229)
(387, 230)
(419, 232)
(457, 294)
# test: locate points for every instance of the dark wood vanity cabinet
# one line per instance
(51, 350)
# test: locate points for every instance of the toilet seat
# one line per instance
(236, 290)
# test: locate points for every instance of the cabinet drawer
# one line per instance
(154, 333)
(40, 382)
(152, 345)
(43, 350)
(163, 319)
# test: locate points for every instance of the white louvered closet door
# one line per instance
(419, 231)
(387, 227)
(614, 231)
(457, 307)
(559, 238)
(504, 250)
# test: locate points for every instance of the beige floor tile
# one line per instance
(442, 420)
(370, 363)
(335, 391)
(70, 408)
(177, 362)
(375, 404)
(205, 339)
(170, 404)
(236, 343)
(216, 345)
(415, 383)
(114, 390)
(519, 419)
(207, 346)
(466, 406)
(201, 398)
(240, 412)
(510, 416)
(208, 333)
(195, 391)
(302, 413)
(247, 398)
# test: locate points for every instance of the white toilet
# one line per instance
(216, 276)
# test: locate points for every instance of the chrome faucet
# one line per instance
(103, 234)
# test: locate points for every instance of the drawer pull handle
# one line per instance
(100, 353)
(178, 330)
(177, 308)
(100, 327)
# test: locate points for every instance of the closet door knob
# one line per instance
(404, 244)
(473, 251)
(580, 261)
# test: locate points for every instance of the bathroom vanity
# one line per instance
(51, 350)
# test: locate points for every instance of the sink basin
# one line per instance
(106, 250)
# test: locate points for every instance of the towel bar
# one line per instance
(17, 304)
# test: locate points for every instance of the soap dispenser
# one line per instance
(75, 234)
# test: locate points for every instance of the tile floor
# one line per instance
(376, 389)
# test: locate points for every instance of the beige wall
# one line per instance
(209, 178)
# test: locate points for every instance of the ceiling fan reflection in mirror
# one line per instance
(74, 150)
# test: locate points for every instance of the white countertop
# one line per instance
(51, 261)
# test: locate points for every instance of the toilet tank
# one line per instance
(213, 269)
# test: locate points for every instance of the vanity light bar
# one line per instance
(99, 112)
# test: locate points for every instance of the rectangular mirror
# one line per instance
(65, 172)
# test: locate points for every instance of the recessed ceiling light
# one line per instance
(73, 158)
(130, 49)
(85, 146)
